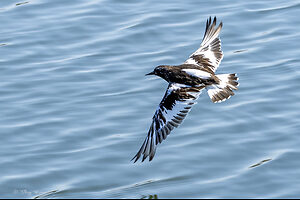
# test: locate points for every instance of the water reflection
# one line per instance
(150, 196)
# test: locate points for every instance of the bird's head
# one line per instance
(159, 71)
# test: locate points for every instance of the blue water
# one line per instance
(76, 106)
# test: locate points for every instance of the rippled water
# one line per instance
(76, 106)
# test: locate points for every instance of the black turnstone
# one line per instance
(186, 81)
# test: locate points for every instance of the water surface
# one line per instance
(76, 106)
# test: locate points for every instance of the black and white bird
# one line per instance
(186, 81)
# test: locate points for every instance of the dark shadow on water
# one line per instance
(22, 3)
(260, 163)
(47, 194)
(150, 196)
(53, 193)
(240, 51)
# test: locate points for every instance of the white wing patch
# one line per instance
(198, 73)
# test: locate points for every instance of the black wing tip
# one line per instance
(138, 156)
(210, 29)
(215, 20)
(209, 22)
(136, 159)
(150, 158)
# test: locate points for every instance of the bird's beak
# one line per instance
(151, 73)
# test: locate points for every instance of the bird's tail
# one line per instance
(223, 90)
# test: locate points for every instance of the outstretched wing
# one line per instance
(173, 108)
(209, 55)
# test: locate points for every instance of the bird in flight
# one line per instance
(186, 82)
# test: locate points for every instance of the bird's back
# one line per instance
(185, 74)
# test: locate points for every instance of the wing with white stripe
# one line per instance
(209, 55)
(172, 110)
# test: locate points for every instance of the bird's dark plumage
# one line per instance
(186, 82)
